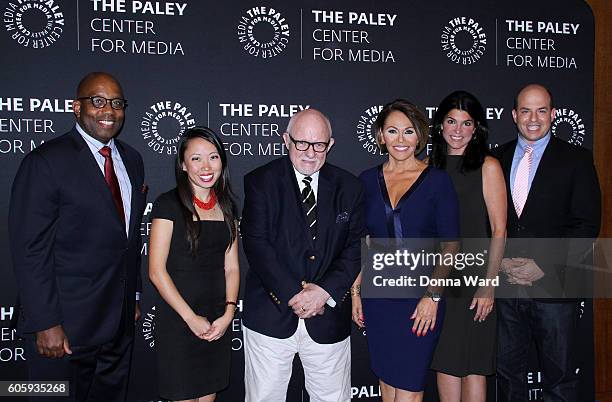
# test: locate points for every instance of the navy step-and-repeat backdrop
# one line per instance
(244, 67)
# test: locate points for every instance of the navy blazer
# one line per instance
(281, 252)
(564, 202)
(73, 262)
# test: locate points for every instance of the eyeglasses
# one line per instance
(99, 102)
(304, 145)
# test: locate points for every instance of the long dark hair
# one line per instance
(477, 149)
(222, 188)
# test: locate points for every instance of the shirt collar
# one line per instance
(300, 177)
(538, 146)
(92, 142)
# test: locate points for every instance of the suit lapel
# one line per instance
(93, 175)
(326, 195)
(506, 163)
(541, 174)
(293, 192)
(325, 205)
(131, 171)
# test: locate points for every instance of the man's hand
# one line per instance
(310, 301)
(507, 264)
(137, 312)
(52, 342)
(522, 271)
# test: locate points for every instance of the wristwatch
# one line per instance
(434, 295)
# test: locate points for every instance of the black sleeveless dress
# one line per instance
(465, 346)
(189, 367)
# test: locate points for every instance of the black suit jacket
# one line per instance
(73, 262)
(564, 202)
(281, 252)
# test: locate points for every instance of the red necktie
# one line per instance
(111, 181)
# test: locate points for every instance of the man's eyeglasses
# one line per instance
(99, 102)
(304, 145)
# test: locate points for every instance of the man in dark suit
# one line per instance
(74, 221)
(301, 226)
(553, 193)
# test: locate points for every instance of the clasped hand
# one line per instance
(521, 271)
(203, 329)
(310, 301)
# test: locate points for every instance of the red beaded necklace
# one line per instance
(212, 201)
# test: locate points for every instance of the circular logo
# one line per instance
(163, 124)
(263, 32)
(365, 134)
(148, 327)
(569, 126)
(33, 23)
(463, 40)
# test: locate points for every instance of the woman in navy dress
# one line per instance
(405, 198)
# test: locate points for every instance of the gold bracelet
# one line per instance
(356, 290)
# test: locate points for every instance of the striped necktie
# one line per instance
(520, 188)
(309, 203)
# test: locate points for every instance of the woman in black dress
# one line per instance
(465, 353)
(193, 263)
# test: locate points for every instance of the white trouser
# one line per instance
(268, 362)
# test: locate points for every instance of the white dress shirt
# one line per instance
(120, 171)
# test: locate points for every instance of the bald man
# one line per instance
(74, 219)
(301, 227)
(553, 193)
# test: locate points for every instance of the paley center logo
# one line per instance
(365, 130)
(463, 40)
(263, 32)
(568, 125)
(163, 124)
(34, 23)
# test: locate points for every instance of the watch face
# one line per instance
(434, 295)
